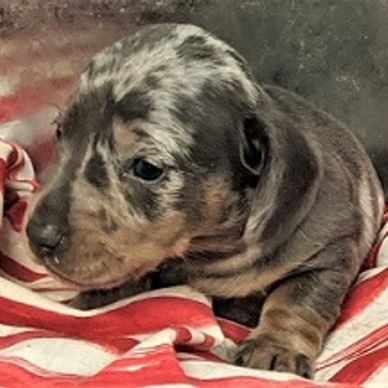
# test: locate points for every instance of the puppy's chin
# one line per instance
(86, 285)
(83, 279)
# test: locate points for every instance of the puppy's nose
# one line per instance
(48, 229)
(46, 239)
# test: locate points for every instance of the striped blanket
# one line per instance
(164, 338)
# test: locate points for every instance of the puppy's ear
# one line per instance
(254, 144)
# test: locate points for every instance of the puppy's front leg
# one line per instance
(297, 316)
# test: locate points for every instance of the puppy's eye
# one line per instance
(58, 128)
(146, 170)
(58, 133)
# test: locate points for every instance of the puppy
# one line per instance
(172, 157)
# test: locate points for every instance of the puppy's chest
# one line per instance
(221, 286)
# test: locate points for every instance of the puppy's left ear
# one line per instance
(254, 144)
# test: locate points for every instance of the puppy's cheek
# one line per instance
(94, 265)
(135, 247)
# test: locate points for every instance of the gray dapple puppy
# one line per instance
(172, 157)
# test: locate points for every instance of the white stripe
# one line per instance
(6, 330)
(166, 336)
(383, 231)
(367, 206)
(370, 273)
(382, 257)
(213, 331)
(359, 327)
(189, 356)
(17, 293)
(27, 130)
(7, 85)
(208, 370)
(327, 373)
(61, 355)
(378, 379)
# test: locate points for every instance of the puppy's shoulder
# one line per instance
(325, 132)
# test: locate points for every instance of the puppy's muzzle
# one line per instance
(48, 229)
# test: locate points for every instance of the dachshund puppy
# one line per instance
(172, 158)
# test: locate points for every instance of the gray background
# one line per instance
(333, 52)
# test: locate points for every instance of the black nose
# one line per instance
(48, 229)
(46, 239)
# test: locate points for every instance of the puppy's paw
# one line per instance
(264, 351)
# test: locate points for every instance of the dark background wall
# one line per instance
(333, 52)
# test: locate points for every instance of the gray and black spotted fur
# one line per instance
(264, 199)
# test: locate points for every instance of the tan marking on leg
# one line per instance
(302, 330)
(290, 333)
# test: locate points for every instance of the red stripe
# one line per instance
(206, 344)
(259, 382)
(119, 345)
(233, 330)
(361, 369)
(159, 370)
(362, 296)
(15, 162)
(139, 317)
(13, 155)
(159, 365)
(12, 339)
(385, 217)
(2, 175)
(357, 348)
(17, 271)
(14, 375)
(182, 335)
(15, 215)
(370, 261)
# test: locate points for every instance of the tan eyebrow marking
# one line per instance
(125, 137)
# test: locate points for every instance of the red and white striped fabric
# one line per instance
(166, 338)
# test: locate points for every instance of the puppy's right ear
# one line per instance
(254, 144)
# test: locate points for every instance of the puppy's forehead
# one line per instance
(153, 73)
(168, 57)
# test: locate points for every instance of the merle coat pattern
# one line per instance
(175, 166)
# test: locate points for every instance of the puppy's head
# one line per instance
(156, 157)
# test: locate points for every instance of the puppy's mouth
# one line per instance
(100, 281)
